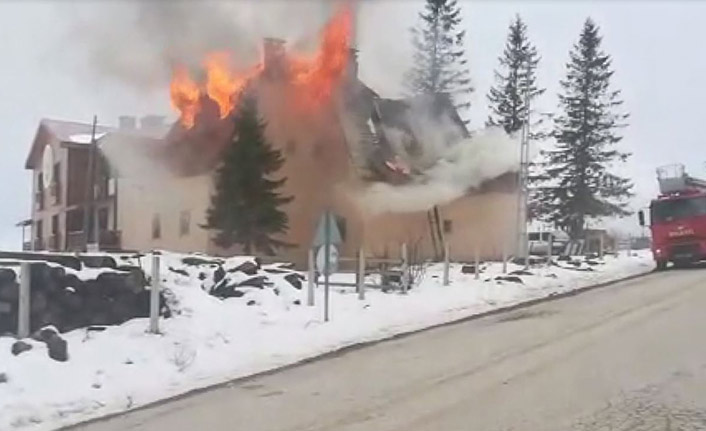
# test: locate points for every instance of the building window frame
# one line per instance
(156, 227)
(185, 223)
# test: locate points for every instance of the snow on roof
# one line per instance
(85, 138)
(65, 130)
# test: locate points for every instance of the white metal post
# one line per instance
(601, 241)
(550, 244)
(447, 263)
(361, 274)
(405, 269)
(310, 280)
(154, 294)
(327, 263)
(23, 315)
(477, 263)
(505, 256)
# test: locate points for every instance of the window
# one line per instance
(156, 227)
(342, 228)
(291, 147)
(185, 223)
(56, 186)
(39, 196)
(447, 226)
(318, 150)
(74, 220)
(103, 219)
(54, 241)
(38, 230)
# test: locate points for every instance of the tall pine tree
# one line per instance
(245, 208)
(516, 81)
(582, 185)
(440, 64)
(516, 87)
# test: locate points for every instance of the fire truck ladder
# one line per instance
(674, 179)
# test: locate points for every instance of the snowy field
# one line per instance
(209, 340)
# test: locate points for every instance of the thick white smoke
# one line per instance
(448, 164)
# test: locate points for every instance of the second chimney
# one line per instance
(273, 57)
(127, 122)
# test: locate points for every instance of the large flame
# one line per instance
(223, 84)
(319, 74)
(185, 96)
(314, 77)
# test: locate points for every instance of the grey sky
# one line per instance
(656, 48)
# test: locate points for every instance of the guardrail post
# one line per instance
(601, 251)
(447, 258)
(23, 315)
(505, 256)
(154, 294)
(550, 244)
(311, 275)
(404, 279)
(477, 263)
(361, 274)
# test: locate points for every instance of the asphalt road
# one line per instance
(627, 357)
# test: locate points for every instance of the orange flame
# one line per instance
(318, 75)
(314, 77)
(185, 96)
(223, 85)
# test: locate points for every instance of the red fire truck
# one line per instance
(678, 218)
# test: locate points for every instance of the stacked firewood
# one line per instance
(60, 298)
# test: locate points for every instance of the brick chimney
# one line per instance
(127, 122)
(273, 57)
(152, 122)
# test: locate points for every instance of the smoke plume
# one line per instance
(137, 43)
(447, 164)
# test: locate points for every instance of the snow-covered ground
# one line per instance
(209, 340)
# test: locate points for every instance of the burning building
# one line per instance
(394, 171)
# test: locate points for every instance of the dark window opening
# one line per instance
(40, 192)
(56, 186)
(291, 147)
(185, 223)
(39, 229)
(447, 226)
(103, 219)
(342, 228)
(156, 227)
(74, 220)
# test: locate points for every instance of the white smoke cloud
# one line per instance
(451, 167)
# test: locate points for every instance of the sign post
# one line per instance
(327, 237)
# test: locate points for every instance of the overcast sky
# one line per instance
(657, 50)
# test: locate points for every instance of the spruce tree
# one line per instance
(515, 88)
(581, 184)
(245, 208)
(516, 82)
(440, 64)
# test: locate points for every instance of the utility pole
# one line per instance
(90, 195)
(523, 186)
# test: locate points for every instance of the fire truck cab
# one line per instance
(678, 218)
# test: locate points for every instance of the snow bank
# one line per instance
(209, 340)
